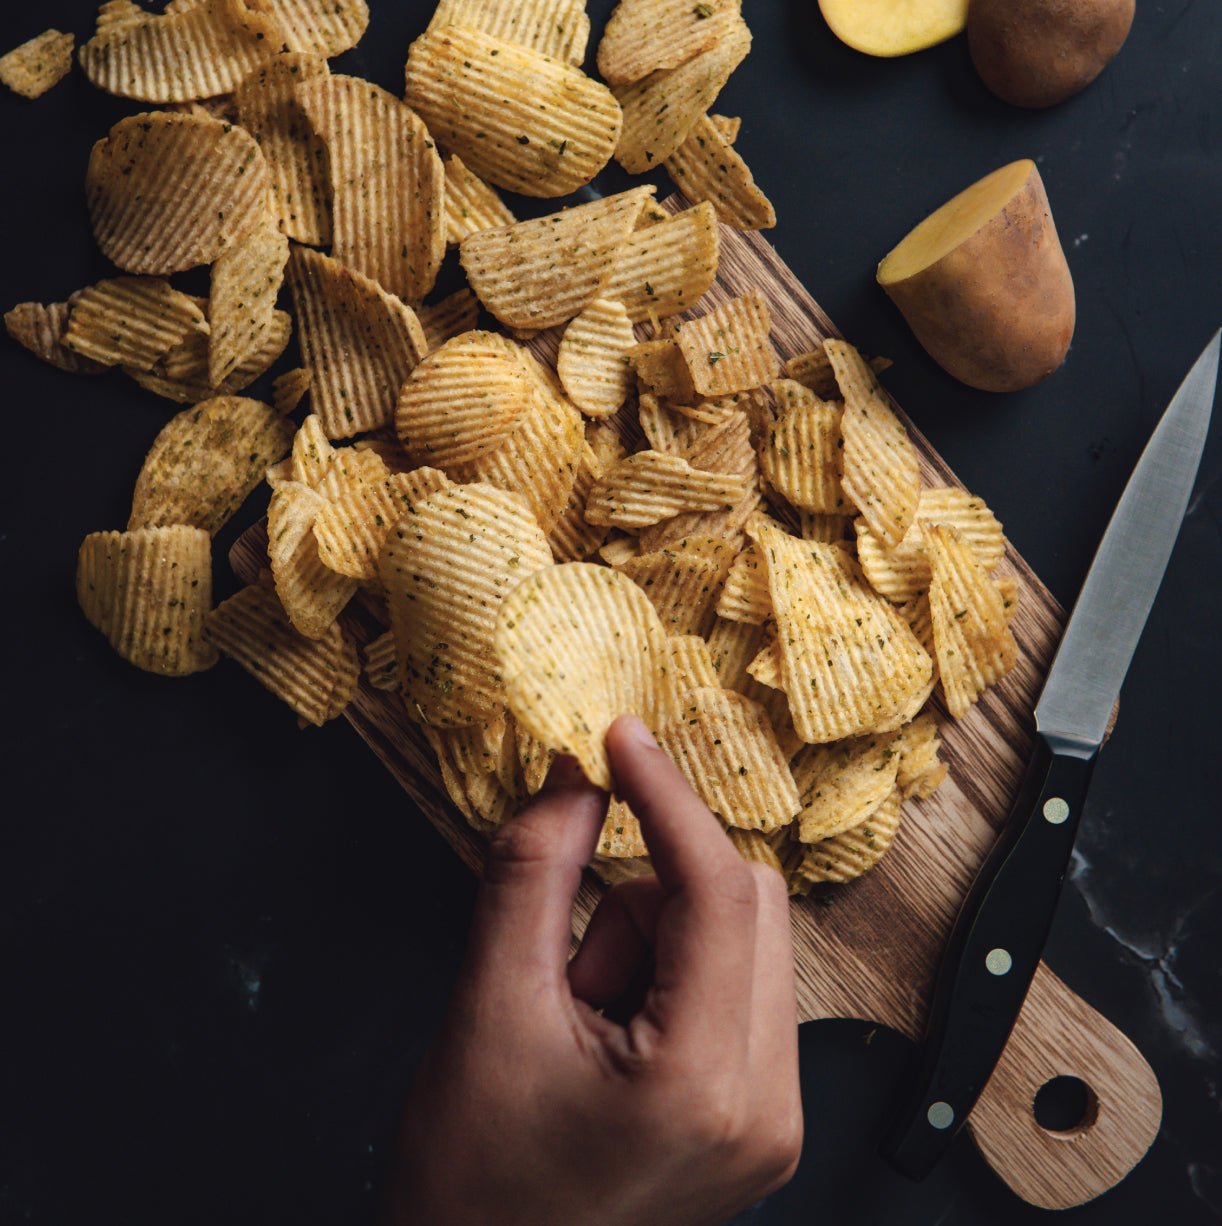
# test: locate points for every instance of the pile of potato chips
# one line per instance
(602, 500)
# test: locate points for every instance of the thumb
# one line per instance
(523, 919)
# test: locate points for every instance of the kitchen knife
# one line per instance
(1001, 929)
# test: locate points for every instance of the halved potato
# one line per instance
(894, 27)
(984, 285)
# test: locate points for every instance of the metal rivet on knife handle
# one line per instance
(998, 961)
(1055, 810)
(940, 1115)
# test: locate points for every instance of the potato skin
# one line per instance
(1036, 53)
(998, 311)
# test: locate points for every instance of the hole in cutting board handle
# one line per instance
(1065, 1105)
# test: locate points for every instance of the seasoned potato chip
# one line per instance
(315, 677)
(845, 857)
(661, 109)
(725, 745)
(800, 457)
(842, 784)
(593, 359)
(727, 125)
(39, 65)
(849, 662)
(618, 551)
(381, 663)
(612, 872)
(728, 350)
(556, 28)
(733, 646)
(1010, 591)
(312, 452)
(388, 217)
(518, 119)
(319, 27)
(42, 329)
(573, 539)
(246, 281)
(358, 342)
(814, 371)
(205, 462)
(439, 740)
(447, 568)
(971, 633)
(683, 583)
(766, 668)
(208, 176)
(745, 597)
(148, 592)
(706, 167)
(476, 747)
(471, 205)
(660, 367)
(289, 389)
(312, 594)
(267, 107)
(881, 474)
(666, 268)
(826, 528)
(131, 321)
(579, 645)
(693, 665)
(754, 847)
(920, 772)
(666, 429)
(534, 758)
(538, 273)
(462, 401)
(650, 486)
(621, 837)
(643, 36)
(448, 318)
(347, 467)
(207, 49)
(113, 14)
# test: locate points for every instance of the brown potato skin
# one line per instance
(1036, 53)
(998, 312)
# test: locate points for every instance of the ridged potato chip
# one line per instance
(534, 758)
(348, 466)
(766, 668)
(319, 27)
(642, 36)
(450, 317)
(842, 784)
(729, 350)
(388, 217)
(447, 568)
(579, 645)
(267, 107)
(707, 167)
(312, 594)
(881, 475)
(148, 591)
(650, 486)
(476, 747)
(289, 389)
(208, 177)
(725, 745)
(461, 401)
(451, 777)
(847, 856)
(205, 462)
(312, 452)
(317, 678)
(612, 872)
(42, 329)
(661, 109)
(745, 597)
(556, 28)
(112, 14)
(201, 51)
(471, 205)
(381, 663)
(665, 428)
(593, 358)
(621, 837)
(358, 342)
(571, 538)
(660, 367)
(131, 321)
(683, 583)
(39, 65)
(826, 528)
(920, 772)
(518, 119)
(619, 550)
(538, 273)
(693, 665)
(733, 646)
(972, 639)
(849, 662)
(754, 847)
(727, 125)
(800, 456)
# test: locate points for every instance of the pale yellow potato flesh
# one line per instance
(894, 27)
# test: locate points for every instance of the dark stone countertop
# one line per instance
(225, 942)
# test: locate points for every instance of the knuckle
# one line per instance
(769, 883)
(736, 888)
(779, 1151)
(514, 850)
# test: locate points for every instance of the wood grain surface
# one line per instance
(869, 949)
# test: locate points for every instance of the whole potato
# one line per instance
(1036, 53)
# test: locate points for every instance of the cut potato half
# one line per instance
(894, 27)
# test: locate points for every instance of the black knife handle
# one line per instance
(994, 948)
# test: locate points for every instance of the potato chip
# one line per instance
(1010, 590)
(343, 468)
(312, 594)
(745, 597)
(148, 592)
(754, 847)
(317, 678)
(650, 486)
(205, 462)
(661, 109)
(289, 389)
(447, 568)
(800, 456)
(971, 634)
(113, 14)
(728, 350)
(534, 758)
(39, 65)
(612, 872)
(388, 449)
(733, 646)
(448, 318)
(621, 837)
(571, 538)
(666, 268)
(693, 664)
(471, 205)
(208, 176)
(451, 778)
(131, 321)
(846, 856)
(462, 401)
(728, 126)
(683, 583)
(915, 615)
(476, 747)
(706, 167)
(814, 371)
(619, 550)
(198, 52)
(41, 329)
(842, 784)
(725, 745)
(920, 772)
(556, 28)
(381, 663)
(660, 367)
(388, 217)
(642, 36)
(766, 667)
(666, 429)
(593, 359)
(358, 342)
(881, 474)
(849, 662)
(826, 528)
(319, 27)
(541, 272)
(518, 119)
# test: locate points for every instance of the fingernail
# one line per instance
(637, 730)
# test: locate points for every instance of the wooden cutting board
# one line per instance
(869, 950)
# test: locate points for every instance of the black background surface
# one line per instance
(227, 942)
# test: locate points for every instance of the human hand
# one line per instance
(535, 1106)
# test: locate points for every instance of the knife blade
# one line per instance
(1000, 932)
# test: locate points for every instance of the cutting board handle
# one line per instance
(1059, 1035)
